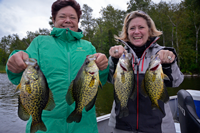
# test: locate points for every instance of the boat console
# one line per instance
(188, 118)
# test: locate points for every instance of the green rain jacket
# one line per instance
(60, 56)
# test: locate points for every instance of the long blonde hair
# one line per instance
(134, 14)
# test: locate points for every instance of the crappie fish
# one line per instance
(83, 89)
(34, 96)
(153, 83)
(123, 83)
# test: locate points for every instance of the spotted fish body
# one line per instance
(123, 83)
(83, 89)
(153, 83)
(34, 95)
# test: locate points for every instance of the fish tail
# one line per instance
(162, 111)
(38, 126)
(154, 106)
(124, 112)
(74, 116)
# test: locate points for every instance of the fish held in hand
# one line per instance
(35, 95)
(124, 87)
(83, 89)
(153, 83)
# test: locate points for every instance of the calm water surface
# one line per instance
(9, 120)
(11, 123)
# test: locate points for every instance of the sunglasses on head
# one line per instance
(142, 12)
(139, 11)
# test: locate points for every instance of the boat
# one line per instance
(176, 105)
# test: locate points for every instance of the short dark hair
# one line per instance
(57, 5)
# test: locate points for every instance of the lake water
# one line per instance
(11, 123)
(9, 120)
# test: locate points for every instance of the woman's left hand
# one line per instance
(101, 61)
(166, 56)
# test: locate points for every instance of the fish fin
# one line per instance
(18, 87)
(161, 107)
(22, 113)
(50, 104)
(154, 107)
(91, 104)
(74, 116)
(153, 77)
(100, 85)
(114, 76)
(124, 112)
(28, 88)
(143, 90)
(38, 126)
(123, 77)
(91, 84)
(165, 77)
(69, 95)
(164, 96)
(116, 97)
(117, 101)
(134, 93)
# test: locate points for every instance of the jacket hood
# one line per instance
(66, 34)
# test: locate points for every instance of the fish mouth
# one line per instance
(91, 57)
(123, 66)
(155, 62)
(30, 61)
(155, 67)
(92, 73)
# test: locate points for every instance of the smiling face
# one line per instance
(66, 18)
(138, 31)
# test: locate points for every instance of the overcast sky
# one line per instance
(20, 16)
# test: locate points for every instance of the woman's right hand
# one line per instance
(16, 62)
(116, 51)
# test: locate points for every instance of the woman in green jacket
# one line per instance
(60, 56)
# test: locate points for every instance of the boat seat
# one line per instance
(188, 118)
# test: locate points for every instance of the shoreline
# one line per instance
(2, 71)
(191, 75)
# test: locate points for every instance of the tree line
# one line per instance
(179, 22)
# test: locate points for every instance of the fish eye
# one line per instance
(27, 82)
(36, 67)
(87, 62)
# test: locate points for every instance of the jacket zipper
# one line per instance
(137, 96)
(69, 69)
(137, 125)
(142, 57)
(69, 61)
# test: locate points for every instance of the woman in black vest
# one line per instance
(140, 35)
